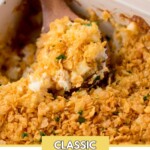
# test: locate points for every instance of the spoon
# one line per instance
(55, 9)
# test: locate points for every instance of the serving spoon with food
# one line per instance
(56, 9)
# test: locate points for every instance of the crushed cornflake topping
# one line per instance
(50, 100)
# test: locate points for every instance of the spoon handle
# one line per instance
(53, 9)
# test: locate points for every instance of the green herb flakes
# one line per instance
(102, 129)
(42, 134)
(96, 22)
(97, 78)
(80, 112)
(115, 113)
(53, 132)
(25, 134)
(146, 97)
(88, 24)
(61, 57)
(81, 119)
(57, 119)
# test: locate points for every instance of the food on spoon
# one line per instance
(70, 53)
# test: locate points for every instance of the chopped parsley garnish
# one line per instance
(97, 78)
(80, 112)
(96, 22)
(57, 119)
(146, 97)
(61, 57)
(88, 24)
(102, 129)
(81, 119)
(53, 132)
(42, 134)
(25, 134)
(115, 113)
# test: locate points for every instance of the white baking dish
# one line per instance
(116, 7)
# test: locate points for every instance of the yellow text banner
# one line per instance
(75, 143)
